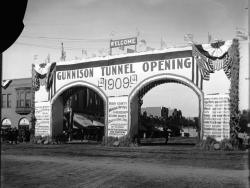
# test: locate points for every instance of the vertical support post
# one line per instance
(110, 49)
(1, 61)
(201, 107)
(33, 118)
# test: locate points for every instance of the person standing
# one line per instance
(10, 135)
(166, 134)
(8, 132)
(14, 135)
(27, 135)
(82, 134)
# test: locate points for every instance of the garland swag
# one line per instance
(234, 88)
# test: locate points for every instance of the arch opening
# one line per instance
(162, 127)
(78, 114)
(24, 123)
(24, 130)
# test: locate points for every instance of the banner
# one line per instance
(216, 116)
(117, 116)
(42, 114)
(116, 79)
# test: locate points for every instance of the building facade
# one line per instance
(16, 103)
(154, 111)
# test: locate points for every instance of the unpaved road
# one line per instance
(97, 166)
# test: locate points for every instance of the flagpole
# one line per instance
(111, 36)
(209, 37)
(110, 49)
(33, 118)
(63, 55)
(161, 43)
(137, 36)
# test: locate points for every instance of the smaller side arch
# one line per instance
(83, 84)
(177, 78)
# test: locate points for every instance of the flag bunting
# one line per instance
(50, 75)
(213, 56)
(6, 83)
(39, 71)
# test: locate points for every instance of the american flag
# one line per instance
(35, 79)
(205, 65)
(50, 74)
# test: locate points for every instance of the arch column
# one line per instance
(118, 116)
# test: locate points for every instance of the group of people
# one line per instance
(13, 135)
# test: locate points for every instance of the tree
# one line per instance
(244, 120)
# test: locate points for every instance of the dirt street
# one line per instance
(82, 165)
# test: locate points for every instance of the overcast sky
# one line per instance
(88, 24)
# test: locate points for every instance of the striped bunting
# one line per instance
(205, 65)
(50, 75)
(35, 79)
(6, 83)
(210, 58)
(218, 64)
(227, 65)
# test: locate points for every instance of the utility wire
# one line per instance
(53, 47)
(63, 38)
(43, 46)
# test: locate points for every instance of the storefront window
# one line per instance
(4, 101)
(23, 97)
(8, 100)
(28, 99)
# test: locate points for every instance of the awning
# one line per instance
(82, 120)
(5, 126)
(97, 123)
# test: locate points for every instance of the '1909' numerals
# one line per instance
(117, 83)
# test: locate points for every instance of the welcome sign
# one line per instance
(123, 42)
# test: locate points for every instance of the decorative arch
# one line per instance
(172, 78)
